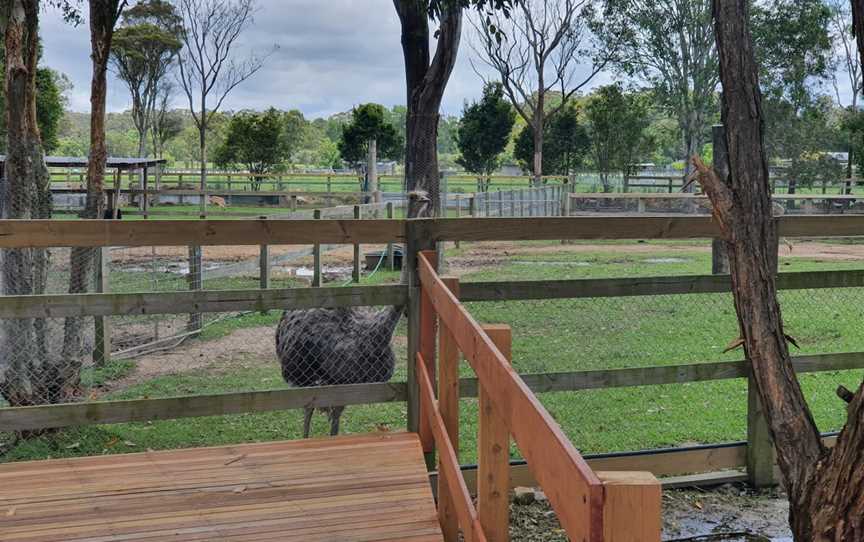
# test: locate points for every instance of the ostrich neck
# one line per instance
(389, 318)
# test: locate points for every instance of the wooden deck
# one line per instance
(353, 488)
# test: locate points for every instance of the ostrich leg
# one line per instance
(307, 420)
(335, 414)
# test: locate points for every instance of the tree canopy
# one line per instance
(368, 122)
(143, 49)
(259, 141)
(565, 142)
(617, 122)
(485, 130)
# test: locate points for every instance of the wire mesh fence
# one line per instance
(539, 201)
(155, 356)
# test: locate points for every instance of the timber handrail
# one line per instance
(574, 490)
(449, 468)
(93, 233)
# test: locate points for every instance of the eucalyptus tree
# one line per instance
(542, 53)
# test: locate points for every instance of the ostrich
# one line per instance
(346, 345)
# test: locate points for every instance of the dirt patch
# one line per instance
(729, 513)
(138, 255)
(243, 348)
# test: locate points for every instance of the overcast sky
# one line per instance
(333, 54)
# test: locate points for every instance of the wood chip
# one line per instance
(235, 459)
(10, 512)
(240, 489)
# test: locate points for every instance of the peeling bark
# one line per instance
(82, 266)
(425, 81)
(25, 195)
(825, 487)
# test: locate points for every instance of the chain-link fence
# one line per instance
(154, 356)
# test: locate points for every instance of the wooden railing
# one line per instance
(507, 407)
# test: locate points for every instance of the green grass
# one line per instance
(549, 336)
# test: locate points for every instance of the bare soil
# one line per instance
(243, 348)
(729, 513)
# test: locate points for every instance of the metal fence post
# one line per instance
(102, 324)
(355, 276)
(316, 255)
(264, 264)
(196, 282)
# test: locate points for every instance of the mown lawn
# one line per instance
(549, 336)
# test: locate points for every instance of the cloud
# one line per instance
(332, 55)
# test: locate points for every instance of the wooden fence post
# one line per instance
(102, 324)
(391, 259)
(493, 453)
(416, 239)
(760, 449)
(631, 509)
(196, 282)
(316, 255)
(719, 255)
(355, 276)
(448, 404)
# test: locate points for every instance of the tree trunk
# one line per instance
(82, 265)
(538, 150)
(25, 195)
(825, 488)
(425, 83)
(372, 170)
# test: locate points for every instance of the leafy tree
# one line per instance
(367, 137)
(327, 155)
(671, 47)
(618, 123)
(565, 142)
(257, 141)
(793, 47)
(143, 50)
(483, 133)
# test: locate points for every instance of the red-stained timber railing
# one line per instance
(574, 490)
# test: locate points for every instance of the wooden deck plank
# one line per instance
(354, 488)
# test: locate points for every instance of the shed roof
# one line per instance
(113, 162)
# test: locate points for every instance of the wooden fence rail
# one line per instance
(121, 411)
(91, 233)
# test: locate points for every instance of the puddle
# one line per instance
(666, 260)
(303, 272)
(731, 537)
(556, 263)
